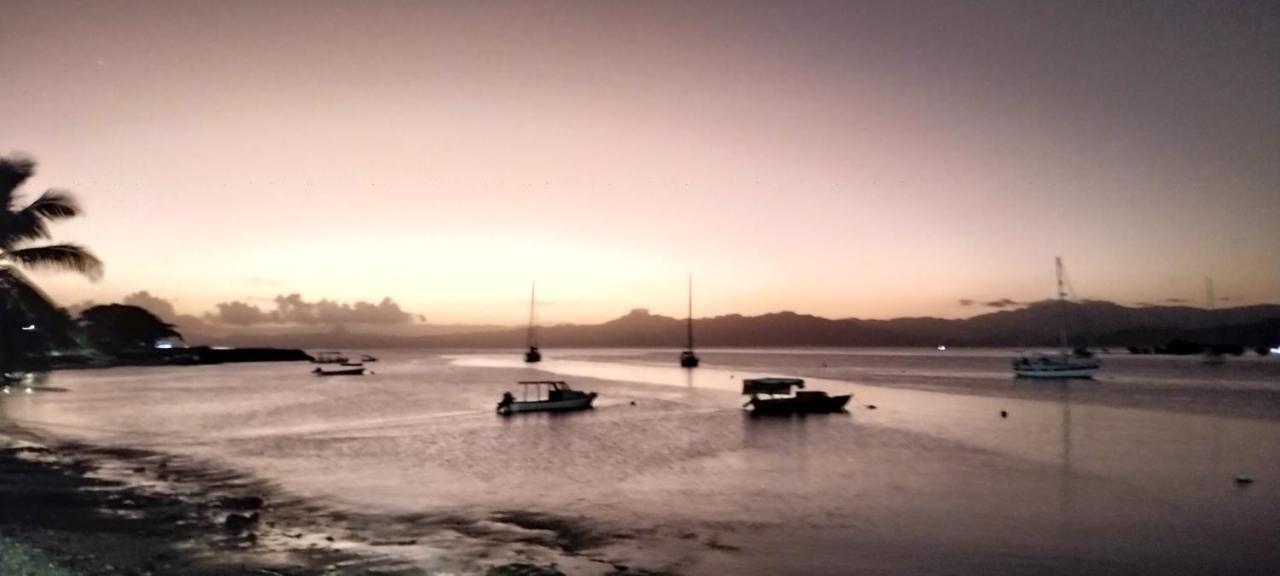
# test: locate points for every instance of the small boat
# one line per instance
(687, 358)
(1064, 364)
(330, 357)
(778, 402)
(532, 355)
(368, 358)
(352, 364)
(1055, 366)
(1212, 356)
(560, 398)
(358, 371)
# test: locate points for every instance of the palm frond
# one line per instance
(54, 205)
(31, 222)
(13, 172)
(59, 257)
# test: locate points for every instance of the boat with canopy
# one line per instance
(773, 396)
(559, 398)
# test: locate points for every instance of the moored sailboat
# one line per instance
(1064, 364)
(532, 355)
(1212, 356)
(687, 358)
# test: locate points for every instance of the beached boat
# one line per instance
(772, 396)
(559, 398)
(532, 355)
(1064, 364)
(358, 371)
(329, 357)
(687, 358)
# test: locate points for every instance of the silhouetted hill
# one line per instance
(1092, 323)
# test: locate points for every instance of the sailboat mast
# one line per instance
(690, 316)
(1062, 306)
(533, 298)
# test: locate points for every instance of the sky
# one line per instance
(869, 159)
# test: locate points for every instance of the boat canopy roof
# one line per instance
(770, 385)
(551, 383)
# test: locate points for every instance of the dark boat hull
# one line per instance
(532, 356)
(688, 360)
(345, 372)
(798, 405)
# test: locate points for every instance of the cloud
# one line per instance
(163, 309)
(1001, 303)
(241, 314)
(966, 302)
(293, 309)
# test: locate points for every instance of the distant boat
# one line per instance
(1064, 364)
(687, 358)
(778, 402)
(358, 371)
(329, 357)
(533, 355)
(368, 358)
(560, 398)
(1212, 357)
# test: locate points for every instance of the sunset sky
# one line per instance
(834, 158)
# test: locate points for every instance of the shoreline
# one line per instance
(116, 511)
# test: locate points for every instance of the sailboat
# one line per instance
(1212, 357)
(533, 355)
(1063, 364)
(687, 358)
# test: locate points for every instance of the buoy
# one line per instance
(871, 406)
(1004, 414)
(633, 402)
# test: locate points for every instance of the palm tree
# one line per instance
(22, 305)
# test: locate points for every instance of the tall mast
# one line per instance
(690, 312)
(1062, 306)
(533, 297)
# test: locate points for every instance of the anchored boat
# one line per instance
(559, 398)
(1064, 364)
(772, 396)
(687, 358)
(533, 355)
(358, 371)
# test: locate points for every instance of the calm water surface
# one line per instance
(1131, 473)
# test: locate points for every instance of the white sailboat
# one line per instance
(1063, 364)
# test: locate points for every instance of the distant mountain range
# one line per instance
(1091, 323)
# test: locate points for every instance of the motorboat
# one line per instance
(559, 398)
(772, 396)
(357, 371)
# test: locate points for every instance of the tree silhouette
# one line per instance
(23, 307)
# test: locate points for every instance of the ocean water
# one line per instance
(1131, 473)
